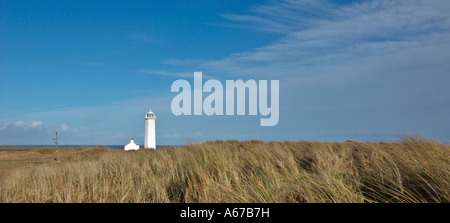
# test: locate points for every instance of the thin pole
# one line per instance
(56, 141)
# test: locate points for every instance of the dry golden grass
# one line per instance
(414, 170)
(13, 157)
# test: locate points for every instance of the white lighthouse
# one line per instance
(150, 140)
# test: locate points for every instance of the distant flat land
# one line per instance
(14, 157)
(21, 148)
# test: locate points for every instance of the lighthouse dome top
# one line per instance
(150, 114)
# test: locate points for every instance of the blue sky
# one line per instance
(369, 70)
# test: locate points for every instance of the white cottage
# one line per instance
(131, 145)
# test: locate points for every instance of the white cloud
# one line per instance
(20, 125)
(64, 127)
(36, 124)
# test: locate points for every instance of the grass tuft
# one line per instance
(415, 170)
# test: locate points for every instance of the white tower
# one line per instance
(150, 141)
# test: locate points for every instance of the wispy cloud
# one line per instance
(165, 73)
(283, 16)
(320, 33)
(189, 75)
(20, 125)
(382, 61)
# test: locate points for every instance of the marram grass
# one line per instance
(413, 170)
